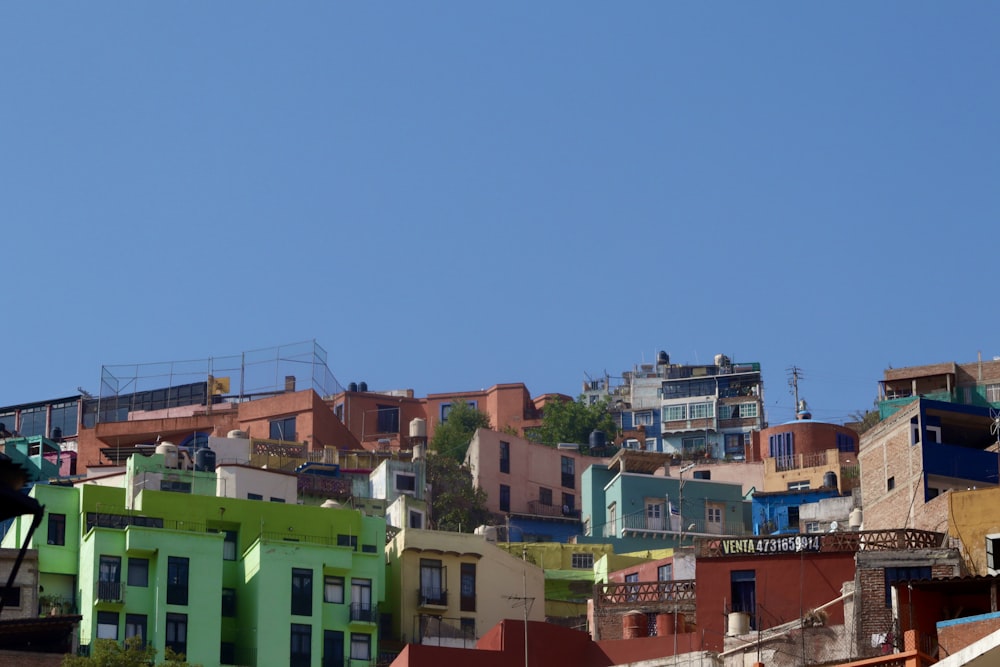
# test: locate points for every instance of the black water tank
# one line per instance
(204, 460)
(352, 387)
(830, 479)
(597, 439)
(362, 386)
(663, 358)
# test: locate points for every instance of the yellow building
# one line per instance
(972, 519)
(449, 589)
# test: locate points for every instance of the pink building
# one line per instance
(526, 478)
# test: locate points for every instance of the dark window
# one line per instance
(743, 593)
(107, 625)
(348, 541)
(388, 419)
(11, 596)
(782, 448)
(793, 517)
(300, 654)
(57, 529)
(568, 472)
(333, 589)
(277, 500)
(890, 484)
(33, 421)
(177, 633)
(468, 600)
(254, 496)
(283, 429)
(702, 474)
(406, 482)
(62, 419)
(227, 653)
(665, 572)
(175, 486)
(229, 602)
(504, 457)
(361, 646)
(504, 498)
(569, 504)
(138, 571)
(109, 577)
(845, 443)
(177, 580)
(369, 549)
(135, 626)
(545, 496)
(894, 574)
(468, 626)
(302, 599)
(229, 546)
(432, 583)
(333, 648)
(416, 519)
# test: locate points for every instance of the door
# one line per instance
(654, 514)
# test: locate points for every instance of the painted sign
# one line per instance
(757, 546)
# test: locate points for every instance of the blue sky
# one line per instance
(446, 196)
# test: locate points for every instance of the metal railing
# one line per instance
(904, 539)
(364, 612)
(441, 631)
(109, 591)
(432, 597)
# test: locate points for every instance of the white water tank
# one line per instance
(419, 452)
(238, 434)
(169, 451)
(418, 428)
(739, 623)
(489, 533)
(855, 519)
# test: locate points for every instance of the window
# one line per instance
(229, 602)
(468, 593)
(406, 483)
(388, 419)
(665, 572)
(644, 418)
(227, 653)
(361, 601)
(229, 545)
(704, 410)
(504, 457)
(845, 443)
(793, 517)
(896, 574)
(300, 652)
(175, 486)
(361, 646)
(993, 393)
(632, 589)
(177, 631)
(107, 625)
(348, 541)
(582, 561)
(701, 474)
(468, 626)
(890, 484)
(432, 580)
(800, 485)
(277, 500)
(333, 648)
(748, 410)
(11, 596)
(734, 445)
(446, 408)
(8, 422)
(177, 580)
(254, 496)
(135, 626)
(781, 446)
(992, 553)
(650, 444)
(694, 445)
(568, 472)
(504, 498)
(714, 514)
(57, 529)
(138, 572)
(569, 504)
(416, 519)
(545, 496)
(338, 410)
(302, 592)
(33, 421)
(333, 589)
(674, 413)
(813, 527)
(109, 577)
(283, 429)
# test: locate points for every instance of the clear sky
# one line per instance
(446, 196)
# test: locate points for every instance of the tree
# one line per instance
(451, 437)
(864, 419)
(572, 421)
(109, 653)
(455, 503)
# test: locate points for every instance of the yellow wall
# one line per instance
(972, 515)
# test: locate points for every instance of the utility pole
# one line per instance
(795, 372)
(523, 600)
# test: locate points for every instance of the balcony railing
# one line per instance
(680, 592)
(441, 631)
(867, 540)
(364, 612)
(432, 597)
(109, 591)
(640, 523)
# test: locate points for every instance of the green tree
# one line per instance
(109, 653)
(572, 421)
(455, 503)
(451, 437)
(864, 419)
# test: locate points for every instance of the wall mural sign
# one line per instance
(762, 546)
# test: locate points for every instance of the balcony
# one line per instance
(432, 597)
(109, 591)
(442, 631)
(680, 593)
(363, 612)
(851, 542)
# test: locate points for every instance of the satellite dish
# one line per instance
(834, 526)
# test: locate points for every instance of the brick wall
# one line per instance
(953, 638)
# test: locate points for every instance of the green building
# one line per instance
(223, 580)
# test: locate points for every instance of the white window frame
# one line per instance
(674, 413)
(748, 411)
(701, 410)
(992, 393)
(642, 418)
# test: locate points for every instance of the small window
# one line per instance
(801, 485)
(57, 529)
(568, 504)
(301, 592)
(138, 572)
(135, 626)
(254, 496)
(283, 429)
(416, 519)
(504, 498)
(793, 516)
(333, 589)
(229, 546)
(504, 457)
(229, 602)
(277, 500)
(11, 596)
(582, 561)
(300, 652)
(176, 636)
(406, 483)
(665, 572)
(369, 549)
(545, 496)
(468, 586)
(107, 625)
(361, 646)
(890, 484)
(177, 580)
(348, 541)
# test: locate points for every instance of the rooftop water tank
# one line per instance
(352, 387)
(169, 451)
(597, 439)
(418, 428)
(238, 434)
(855, 519)
(204, 460)
(362, 386)
(739, 623)
(662, 358)
(830, 479)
